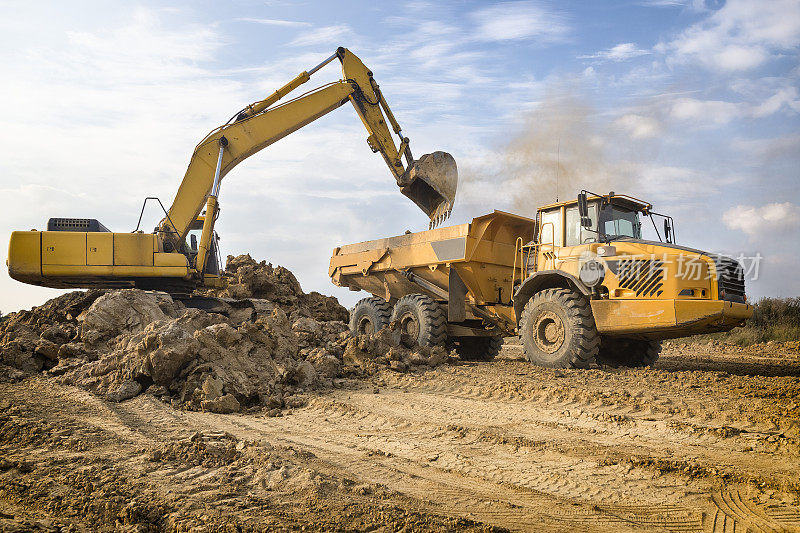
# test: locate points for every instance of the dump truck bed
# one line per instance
(479, 256)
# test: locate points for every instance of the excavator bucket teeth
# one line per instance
(431, 183)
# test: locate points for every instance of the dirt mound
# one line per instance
(31, 340)
(238, 351)
(251, 279)
(388, 348)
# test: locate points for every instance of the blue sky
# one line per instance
(691, 105)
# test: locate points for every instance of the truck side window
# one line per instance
(551, 227)
(577, 234)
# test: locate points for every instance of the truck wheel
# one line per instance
(369, 316)
(619, 351)
(422, 320)
(477, 348)
(558, 330)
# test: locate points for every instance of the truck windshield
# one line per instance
(617, 221)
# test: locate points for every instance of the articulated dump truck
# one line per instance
(578, 284)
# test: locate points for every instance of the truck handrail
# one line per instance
(518, 244)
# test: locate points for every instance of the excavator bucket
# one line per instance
(431, 183)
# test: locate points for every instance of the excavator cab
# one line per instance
(212, 265)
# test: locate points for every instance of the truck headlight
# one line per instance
(592, 273)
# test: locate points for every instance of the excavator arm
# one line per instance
(83, 253)
(430, 182)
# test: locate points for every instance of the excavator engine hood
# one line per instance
(431, 183)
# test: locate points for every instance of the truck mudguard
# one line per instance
(545, 279)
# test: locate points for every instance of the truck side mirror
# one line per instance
(667, 231)
(583, 210)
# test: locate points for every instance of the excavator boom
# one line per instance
(83, 253)
(430, 183)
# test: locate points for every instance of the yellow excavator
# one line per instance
(83, 253)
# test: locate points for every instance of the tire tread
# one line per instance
(585, 339)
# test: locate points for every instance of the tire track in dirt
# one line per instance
(347, 444)
(515, 446)
(354, 430)
(663, 438)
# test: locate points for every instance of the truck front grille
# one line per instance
(730, 279)
(643, 276)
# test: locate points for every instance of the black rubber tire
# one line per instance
(619, 351)
(370, 315)
(422, 320)
(557, 330)
(477, 348)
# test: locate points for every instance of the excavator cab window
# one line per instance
(212, 263)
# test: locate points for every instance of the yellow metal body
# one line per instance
(489, 257)
(64, 259)
(163, 260)
(481, 252)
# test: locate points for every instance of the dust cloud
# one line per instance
(565, 145)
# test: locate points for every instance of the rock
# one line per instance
(324, 308)
(325, 364)
(273, 342)
(47, 349)
(212, 388)
(71, 349)
(305, 374)
(438, 356)
(295, 401)
(157, 390)
(250, 279)
(57, 334)
(396, 354)
(224, 404)
(275, 401)
(126, 390)
(417, 358)
(166, 349)
(121, 312)
(307, 325)
(399, 366)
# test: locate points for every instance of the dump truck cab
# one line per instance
(640, 291)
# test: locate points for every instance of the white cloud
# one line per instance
(519, 20)
(739, 36)
(770, 150)
(683, 183)
(713, 111)
(639, 126)
(620, 52)
(763, 220)
(276, 22)
(784, 98)
(325, 35)
(694, 5)
(720, 112)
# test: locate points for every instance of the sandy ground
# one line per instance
(707, 440)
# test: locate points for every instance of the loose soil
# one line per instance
(707, 440)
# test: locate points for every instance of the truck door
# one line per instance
(550, 238)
